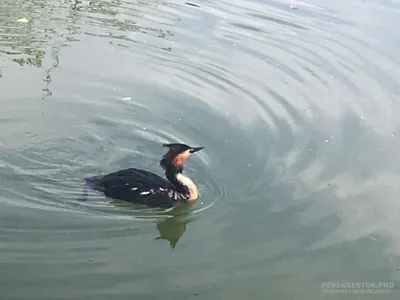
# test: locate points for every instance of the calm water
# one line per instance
(296, 102)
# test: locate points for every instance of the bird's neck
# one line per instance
(183, 184)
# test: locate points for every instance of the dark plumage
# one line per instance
(143, 187)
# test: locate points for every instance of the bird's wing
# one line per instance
(136, 178)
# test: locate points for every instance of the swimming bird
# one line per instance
(144, 187)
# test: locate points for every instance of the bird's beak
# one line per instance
(193, 150)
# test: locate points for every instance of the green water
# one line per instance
(297, 104)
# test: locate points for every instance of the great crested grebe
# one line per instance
(143, 187)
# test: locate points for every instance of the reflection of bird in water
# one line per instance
(143, 187)
(173, 228)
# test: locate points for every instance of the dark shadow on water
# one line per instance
(171, 224)
(173, 227)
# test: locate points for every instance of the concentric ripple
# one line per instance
(296, 103)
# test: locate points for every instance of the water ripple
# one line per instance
(295, 102)
(279, 40)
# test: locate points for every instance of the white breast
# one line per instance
(193, 192)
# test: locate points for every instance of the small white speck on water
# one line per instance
(394, 189)
(326, 141)
(331, 76)
(381, 149)
(234, 45)
(293, 7)
(202, 203)
(362, 118)
(392, 135)
(332, 137)
(372, 238)
(278, 65)
(144, 128)
(22, 20)
(309, 149)
(113, 88)
(91, 259)
(1, 144)
(249, 165)
(179, 119)
(297, 149)
(126, 98)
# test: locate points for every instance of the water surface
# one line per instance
(297, 104)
